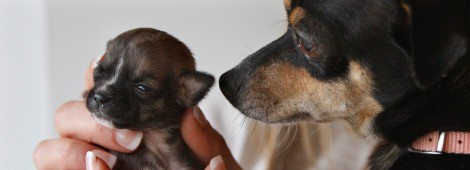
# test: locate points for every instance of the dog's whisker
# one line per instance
(285, 134)
(284, 145)
(241, 124)
(266, 136)
(254, 128)
(250, 50)
(284, 22)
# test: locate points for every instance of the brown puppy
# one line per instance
(144, 82)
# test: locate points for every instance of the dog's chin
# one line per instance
(110, 123)
(278, 117)
(275, 114)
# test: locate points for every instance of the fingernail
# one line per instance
(199, 116)
(94, 63)
(90, 160)
(217, 163)
(128, 139)
(110, 159)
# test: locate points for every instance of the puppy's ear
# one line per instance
(193, 86)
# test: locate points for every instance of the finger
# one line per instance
(89, 73)
(203, 140)
(67, 154)
(95, 163)
(73, 120)
(217, 163)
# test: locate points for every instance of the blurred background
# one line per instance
(46, 45)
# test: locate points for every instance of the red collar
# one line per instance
(439, 142)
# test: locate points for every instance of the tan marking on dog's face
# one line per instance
(296, 15)
(287, 4)
(407, 8)
(281, 92)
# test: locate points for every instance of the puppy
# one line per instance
(352, 60)
(145, 81)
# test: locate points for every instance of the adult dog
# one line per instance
(385, 66)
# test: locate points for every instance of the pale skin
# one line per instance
(80, 133)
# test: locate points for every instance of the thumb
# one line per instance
(95, 163)
(203, 140)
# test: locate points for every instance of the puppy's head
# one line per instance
(338, 60)
(145, 80)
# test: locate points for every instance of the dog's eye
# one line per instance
(142, 88)
(307, 47)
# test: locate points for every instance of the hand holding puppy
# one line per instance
(80, 133)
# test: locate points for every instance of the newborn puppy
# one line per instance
(145, 81)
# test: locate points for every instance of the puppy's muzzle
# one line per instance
(100, 99)
(101, 102)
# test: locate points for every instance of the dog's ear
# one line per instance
(193, 86)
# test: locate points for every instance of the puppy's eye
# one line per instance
(142, 88)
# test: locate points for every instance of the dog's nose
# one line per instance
(100, 99)
(230, 83)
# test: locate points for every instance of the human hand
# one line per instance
(208, 145)
(83, 139)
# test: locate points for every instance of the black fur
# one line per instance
(419, 60)
(440, 36)
(440, 39)
(444, 106)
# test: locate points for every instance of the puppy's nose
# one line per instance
(100, 99)
(230, 83)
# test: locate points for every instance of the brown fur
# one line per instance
(287, 4)
(406, 8)
(349, 98)
(296, 15)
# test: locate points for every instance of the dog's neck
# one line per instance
(158, 142)
(362, 123)
(443, 106)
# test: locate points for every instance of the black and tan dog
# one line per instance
(366, 62)
(144, 82)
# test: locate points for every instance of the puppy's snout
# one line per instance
(230, 83)
(100, 99)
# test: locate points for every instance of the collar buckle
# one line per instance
(439, 148)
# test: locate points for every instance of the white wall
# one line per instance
(24, 107)
(45, 47)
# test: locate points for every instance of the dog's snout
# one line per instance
(230, 84)
(100, 99)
